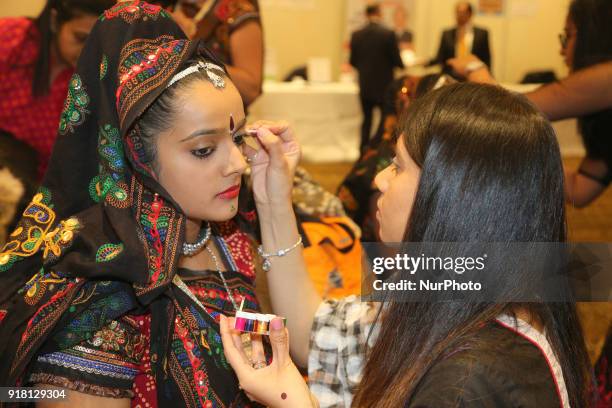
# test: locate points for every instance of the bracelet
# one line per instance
(282, 252)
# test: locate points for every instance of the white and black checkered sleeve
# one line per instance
(337, 350)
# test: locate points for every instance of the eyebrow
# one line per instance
(204, 132)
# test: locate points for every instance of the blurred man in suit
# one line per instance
(374, 53)
(463, 39)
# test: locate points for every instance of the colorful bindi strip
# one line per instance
(254, 322)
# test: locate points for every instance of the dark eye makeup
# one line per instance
(238, 138)
(203, 153)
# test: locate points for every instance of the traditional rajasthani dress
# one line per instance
(92, 299)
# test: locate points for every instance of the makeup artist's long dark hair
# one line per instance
(593, 32)
(490, 172)
(593, 20)
(66, 10)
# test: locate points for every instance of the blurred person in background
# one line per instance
(586, 46)
(37, 59)
(232, 30)
(405, 37)
(374, 54)
(464, 39)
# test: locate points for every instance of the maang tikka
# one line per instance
(213, 72)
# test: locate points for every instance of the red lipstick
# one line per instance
(230, 193)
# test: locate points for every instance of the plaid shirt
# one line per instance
(337, 349)
(32, 120)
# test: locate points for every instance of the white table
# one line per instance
(327, 118)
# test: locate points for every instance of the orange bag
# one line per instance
(333, 255)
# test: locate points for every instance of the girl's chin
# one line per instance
(221, 214)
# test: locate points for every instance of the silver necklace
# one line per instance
(181, 285)
(216, 262)
(203, 237)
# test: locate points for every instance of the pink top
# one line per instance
(32, 120)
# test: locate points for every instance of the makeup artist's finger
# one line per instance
(234, 355)
(250, 140)
(251, 146)
(277, 127)
(237, 338)
(273, 146)
(251, 128)
(279, 338)
(281, 128)
(257, 350)
(259, 123)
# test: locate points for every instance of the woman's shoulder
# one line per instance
(18, 36)
(346, 324)
(347, 311)
(499, 368)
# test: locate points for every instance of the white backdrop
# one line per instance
(327, 118)
(292, 4)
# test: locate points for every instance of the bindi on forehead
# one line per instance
(232, 124)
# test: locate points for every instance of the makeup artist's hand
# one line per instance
(273, 165)
(460, 65)
(471, 68)
(276, 385)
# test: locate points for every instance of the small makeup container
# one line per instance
(257, 323)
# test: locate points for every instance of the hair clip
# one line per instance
(257, 323)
